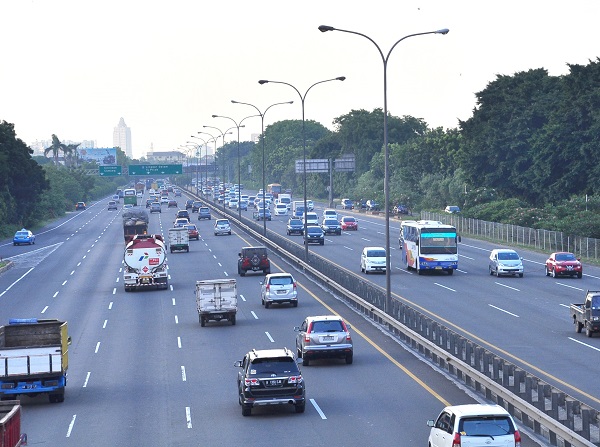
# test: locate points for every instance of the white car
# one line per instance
(281, 209)
(164, 199)
(233, 203)
(311, 219)
(310, 204)
(504, 261)
(474, 425)
(372, 259)
(279, 288)
(222, 227)
(330, 214)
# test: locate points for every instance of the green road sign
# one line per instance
(109, 170)
(155, 169)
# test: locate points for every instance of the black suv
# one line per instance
(331, 226)
(254, 259)
(295, 226)
(314, 235)
(182, 213)
(188, 204)
(196, 204)
(270, 377)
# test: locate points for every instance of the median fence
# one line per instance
(545, 240)
(549, 412)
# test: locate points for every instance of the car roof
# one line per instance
(477, 410)
(373, 248)
(503, 250)
(266, 353)
(324, 318)
(279, 275)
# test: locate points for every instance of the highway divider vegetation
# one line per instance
(528, 155)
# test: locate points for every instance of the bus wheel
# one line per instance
(451, 271)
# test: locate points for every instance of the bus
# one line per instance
(130, 197)
(429, 245)
(275, 189)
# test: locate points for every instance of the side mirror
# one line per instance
(240, 255)
(238, 364)
(430, 423)
(296, 328)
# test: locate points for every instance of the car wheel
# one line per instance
(232, 319)
(243, 273)
(554, 275)
(349, 359)
(520, 275)
(246, 411)
(300, 407)
(295, 304)
(322, 242)
(267, 304)
(580, 275)
(305, 361)
(229, 233)
(547, 271)
(491, 271)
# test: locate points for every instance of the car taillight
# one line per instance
(307, 335)
(294, 287)
(295, 379)
(251, 382)
(456, 440)
(517, 438)
(348, 337)
(268, 288)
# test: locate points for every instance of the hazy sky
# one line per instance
(74, 67)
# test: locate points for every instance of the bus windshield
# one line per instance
(438, 241)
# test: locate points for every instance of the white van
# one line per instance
(372, 259)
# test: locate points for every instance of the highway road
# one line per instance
(522, 319)
(143, 371)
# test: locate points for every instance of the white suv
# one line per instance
(474, 425)
(372, 259)
(330, 214)
(279, 288)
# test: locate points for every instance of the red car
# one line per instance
(563, 264)
(193, 232)
(349, 223)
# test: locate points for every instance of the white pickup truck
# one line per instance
(216, 299)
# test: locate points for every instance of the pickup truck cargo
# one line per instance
(134, 222)
(179, 239)
(587, 315)
(216, 299)
(35, 358)
(145, 263)
(10, 424)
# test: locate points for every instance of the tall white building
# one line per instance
(122, 138)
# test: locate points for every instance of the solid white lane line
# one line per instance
(71, 426)
(508, 287)
(314, 404)
(188, 417)
(502, 310)
(448, 288)
(584, 344)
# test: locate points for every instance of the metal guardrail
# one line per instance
(549, 412)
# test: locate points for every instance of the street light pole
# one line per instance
(237, 125)
(206, 151)
(386, 176)
(302, 98)
(223, 136)
(262, 130)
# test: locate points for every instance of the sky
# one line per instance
(75, 67)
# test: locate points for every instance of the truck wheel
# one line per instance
(578, 326)
(588, 331)
(202, 322)
(232, 319)
(187, 249)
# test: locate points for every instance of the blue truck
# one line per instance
(34, 358)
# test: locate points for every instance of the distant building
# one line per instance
(122, 138)
(165, 157)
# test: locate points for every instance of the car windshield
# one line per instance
(249, 252)
(566, 257)
(486, 426)
(281, 281)
(315, 230)
(284, 365)
(295, 222)
(330, 222)
(222, 222)
(191, 227)
(376, 253)
(22, 233)
(349, 219)
(327, 326)
(508, 256)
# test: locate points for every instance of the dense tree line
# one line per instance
(529, 154)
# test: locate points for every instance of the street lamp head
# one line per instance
(234, 101)
(341, 78)
(443, 31)
(325, 28)
(215, 116)
(262, 81)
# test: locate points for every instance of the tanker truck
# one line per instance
(145, 263)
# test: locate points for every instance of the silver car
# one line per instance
(325, 336)
(279, 288)
(504, 261)
(222, 227)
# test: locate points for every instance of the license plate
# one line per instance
(438, 268)
(29, 387)
(274, 382)
(328, 338)
(280, 292)
(255, 268)
(569, 267)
